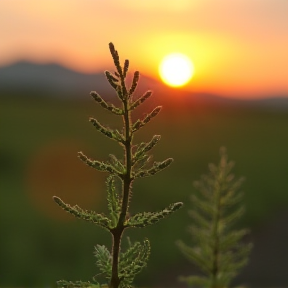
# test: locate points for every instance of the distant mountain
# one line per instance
(48, 78)
(56, 80)
(275, 102)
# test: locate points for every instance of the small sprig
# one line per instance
(133, 261)
(217, 250)
(77, 284)
(120, 268)
(105, 105)
(140, 100)
(100, 165)
(141, 123)
(96, 218)
(112, 134)
(157, 167)
(144, 219)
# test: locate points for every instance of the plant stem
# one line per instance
(126, 186)
(128, 163)
(215, 267)
(115, 281)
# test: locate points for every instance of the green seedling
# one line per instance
(216, 249)
(116, 266)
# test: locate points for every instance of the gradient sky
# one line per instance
(239, 47)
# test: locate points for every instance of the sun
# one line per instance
(176, 69)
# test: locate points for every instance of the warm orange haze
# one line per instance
(218, 68)
(238, 48)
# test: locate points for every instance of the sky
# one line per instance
(238, 47)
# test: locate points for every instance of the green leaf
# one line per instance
(143, 161)
(134, 83)
(115, 162)
(195, 256)
(114, 204)
(143, 219)
(157, 167)
(133, 261)
(234, 216)
(144, 148)
(140, 100)
(231, 239)
(113, 81)
(77, 284)
(115, 135)
(100, 166)
(140, 123)
(240, 256)
(126, 67)
(130, 254)
(80, 213)
(199, 219)
(200, 234)
(115, 57)
(231, 198)
(120, 93)
(103, 260)
(110, 107)
(206, 207)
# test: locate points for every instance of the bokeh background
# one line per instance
(53, 54)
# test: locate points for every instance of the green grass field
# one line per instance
(40, 246)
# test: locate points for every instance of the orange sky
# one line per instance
(239, 48)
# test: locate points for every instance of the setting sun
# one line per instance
(176, 69)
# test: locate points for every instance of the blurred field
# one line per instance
(40, 138)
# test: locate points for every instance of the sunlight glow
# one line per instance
(176, 69)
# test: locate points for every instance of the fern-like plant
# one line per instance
(216, 249)
(119, 268)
